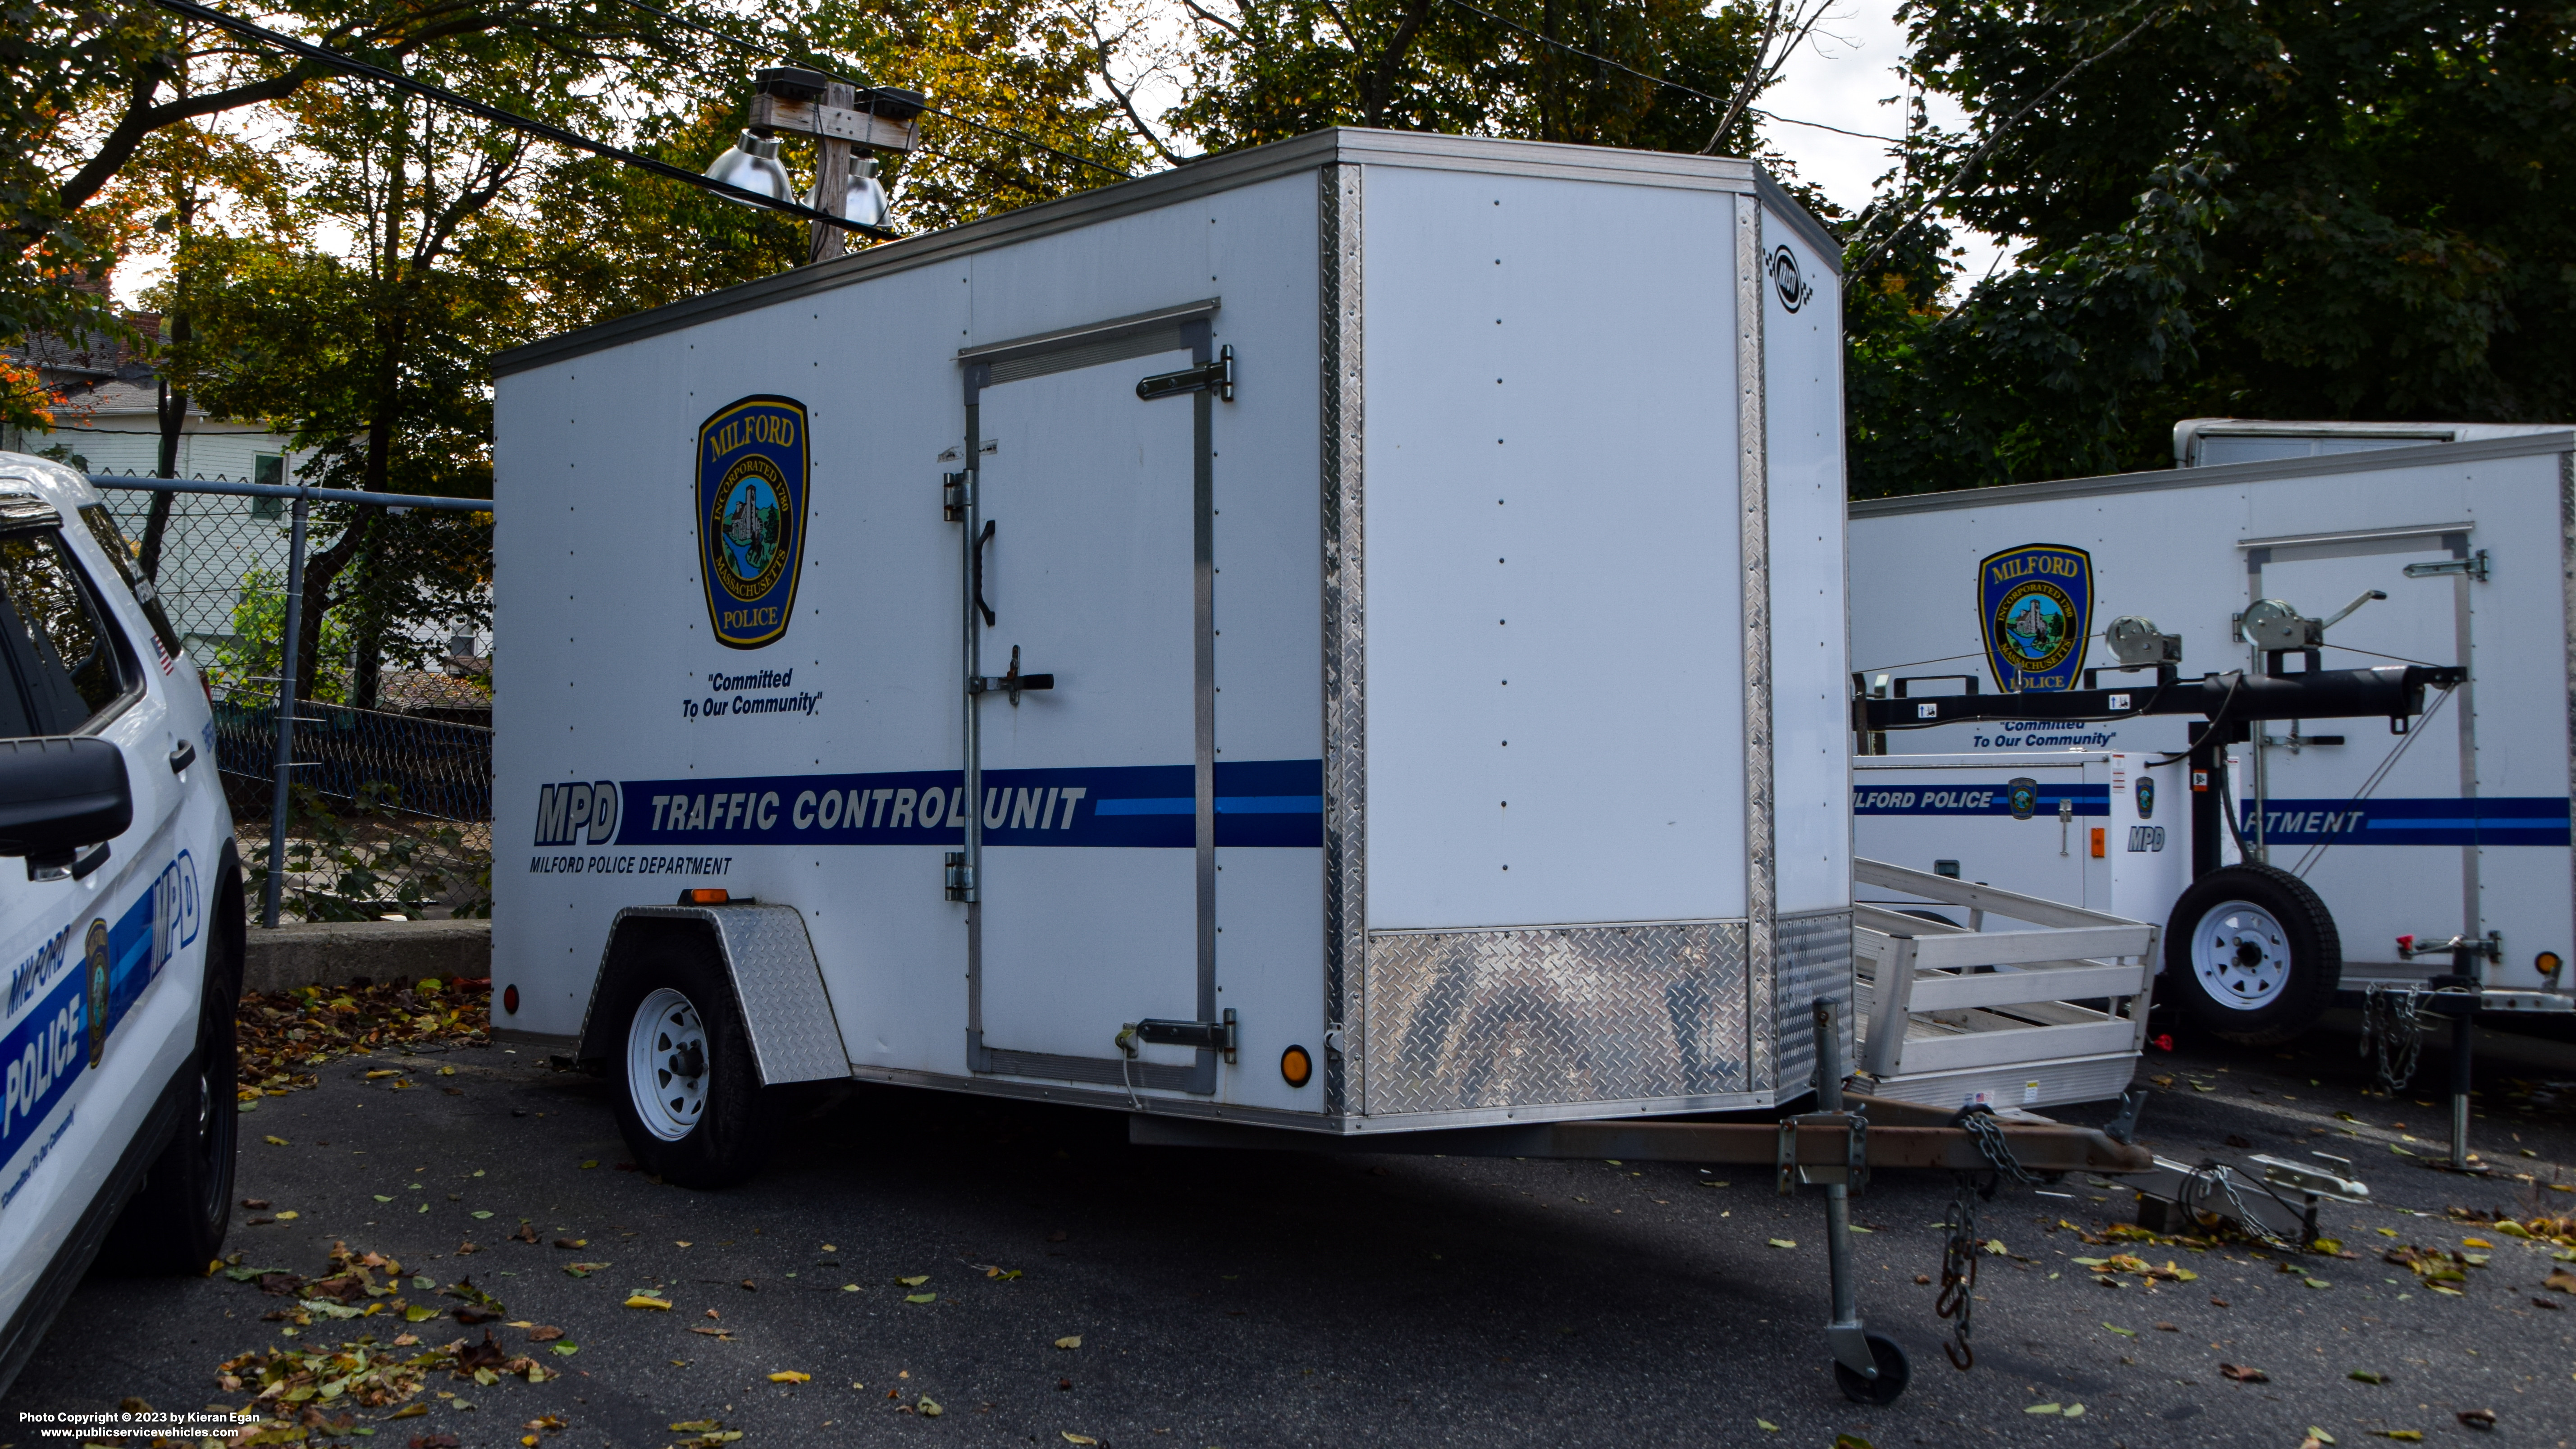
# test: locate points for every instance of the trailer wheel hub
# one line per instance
(666, 1064)
(2241, 955)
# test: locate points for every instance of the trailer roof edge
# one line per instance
(2428, 455)
(1225, 172)
(1809, 227)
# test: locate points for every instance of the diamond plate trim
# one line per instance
(1753, 529)
(777, 984)
(1814, 961)
(1345, 671)
(1554, 1015)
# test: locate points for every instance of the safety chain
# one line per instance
(1980, 1124)
(1957, 1301)
(2392, 1037)
(2195, 1190)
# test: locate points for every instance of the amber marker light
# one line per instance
(2548, 963)
(2097, 842)
(1296, 1066)
(705, 896)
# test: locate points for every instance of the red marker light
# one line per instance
(510, 1000)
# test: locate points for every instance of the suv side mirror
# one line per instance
(58, 795)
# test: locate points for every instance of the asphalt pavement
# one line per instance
(1040, 1281)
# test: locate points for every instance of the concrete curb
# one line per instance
(337, 953)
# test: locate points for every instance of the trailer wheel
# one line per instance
(1895, 1370)
(2252, 955)
(692, 1109)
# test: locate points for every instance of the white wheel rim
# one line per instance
(666, 1064)
(2241, 955)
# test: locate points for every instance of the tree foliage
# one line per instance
(2298, 209)
(1264, 70)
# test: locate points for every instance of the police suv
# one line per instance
(122, 936)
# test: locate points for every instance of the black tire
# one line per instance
(1895, 1371)
(730, 1123)
(177, 1218)
(2241, 977)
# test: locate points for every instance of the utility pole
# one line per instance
(849, 123)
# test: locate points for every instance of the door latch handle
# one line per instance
(1011, 683)
(982, 539)
(182, 757)
(1216, 377)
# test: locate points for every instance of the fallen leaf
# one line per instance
(1767, 1426)
(2476, 1418)
(790, 1376)
(2475, 1243)
(2320, 1435)
(1852, 1441)
(2123, 1332)
(2367, 1376)
(2408, 1436)
(544, 1333)
(2560, 1279)
(381, 1073)
(1784, 1242)
(572, 1242)
(921, 1298)
(2167, 1328)
(926, 1408)
(288, 1216)
(583, 1270)
(1996, 1247)
(2243, 1375)
(2075, 1411)
(849, 1287)
(593, 1162)
(2044, 1409)
(915, 1281)
(646, 1300)
(1071, 1437)
(481, 1213)
(567, 1349)
(1070, 1340)
(410, 1411)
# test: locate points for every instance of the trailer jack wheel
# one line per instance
(1895, 1371)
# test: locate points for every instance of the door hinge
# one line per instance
(2476, 566)
(1217, 376)
(961, 877)
(956, 491)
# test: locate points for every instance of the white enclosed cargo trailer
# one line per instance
(2453, 833)
(1346, 635)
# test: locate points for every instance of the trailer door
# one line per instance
(1095, 885)
(2402, 858)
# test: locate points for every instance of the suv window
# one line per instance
(60, 652)
(102, 526)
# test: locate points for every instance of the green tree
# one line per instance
(1264, 70)
(2292, 209)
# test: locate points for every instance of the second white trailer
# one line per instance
(2456, 553)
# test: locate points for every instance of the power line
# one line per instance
(350, 65)
(1546, 39)
(1968, 167)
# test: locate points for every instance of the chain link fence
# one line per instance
(388, 808)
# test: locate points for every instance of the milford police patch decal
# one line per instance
(752, 482)
(2035, 610)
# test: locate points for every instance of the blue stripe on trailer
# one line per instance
(1987, 798)
(1258, 803)
(2492, 820)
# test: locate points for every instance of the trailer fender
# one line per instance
(777, 985)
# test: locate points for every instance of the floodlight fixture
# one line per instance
(752, 163)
